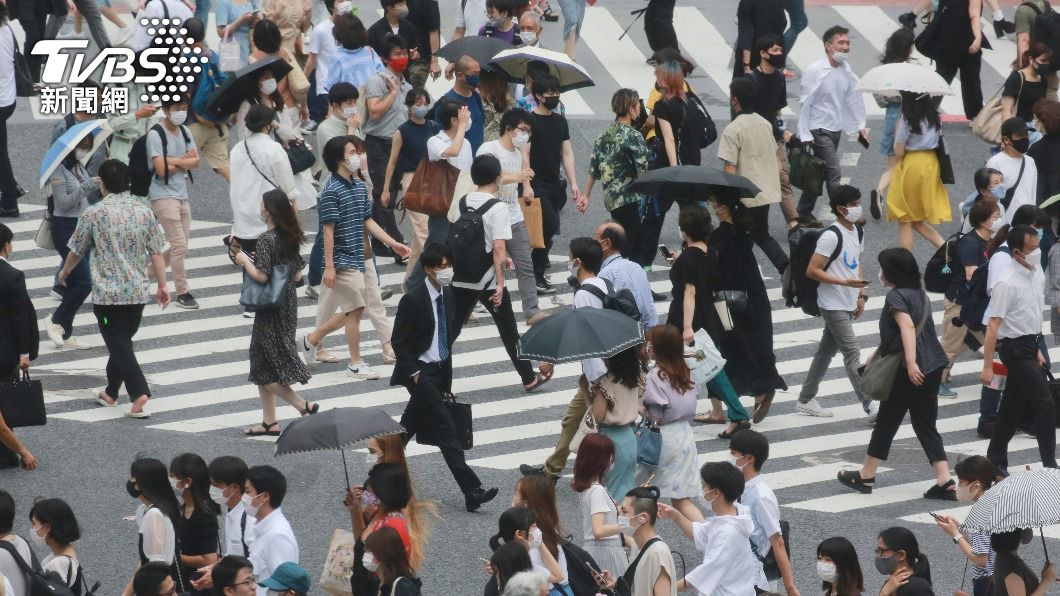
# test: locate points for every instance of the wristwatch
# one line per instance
(957, 538)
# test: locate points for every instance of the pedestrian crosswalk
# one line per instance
(196, 364)
(707, 34)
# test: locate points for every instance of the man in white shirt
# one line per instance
(585, 258)
(489, 289)
(469, 20)
(511, 150)
(1013, 324)
(831, 105)
(836, 266)
(321, 48)
(157, 9)
(228, 477)
(273, 542)
(1018, 170)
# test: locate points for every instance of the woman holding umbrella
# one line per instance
(1012, 576)
(918, 198)
(274, 361)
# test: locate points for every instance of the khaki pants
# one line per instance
(787, 197)
(212, 142)
(374, 309)
(953, 336)
(418, 221)
(575, 412)
(175, 217)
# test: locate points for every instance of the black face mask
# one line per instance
(1021, 145)
(642, 116)
(130, 487)
(1042, 69)
(776, 60)
(551, 102)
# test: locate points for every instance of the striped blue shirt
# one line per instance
(345, 203)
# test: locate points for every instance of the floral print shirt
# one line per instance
(619, 156)
(124, 234)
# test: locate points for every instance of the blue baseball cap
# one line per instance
(288, 576)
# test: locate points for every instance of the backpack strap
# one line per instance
(161, 132)
(838, 245)
(1031, 5)
(243, 534)
(485, 207)
(187, 142)
(595, 291)
(27, 570)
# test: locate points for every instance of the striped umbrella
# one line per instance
(1023, 500)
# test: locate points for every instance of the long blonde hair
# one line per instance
(418, 513)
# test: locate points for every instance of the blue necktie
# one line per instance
(443, 329)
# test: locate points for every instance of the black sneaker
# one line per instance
(528, 470)
(908, 20)
(658, 296)
(946, 492)
(548, 14)
(545, 287)
(874, 204)
(186, 300)
(477, 497)
(1002, 27)
(9, 212)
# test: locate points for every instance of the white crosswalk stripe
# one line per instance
(196, 363)
(707, 38)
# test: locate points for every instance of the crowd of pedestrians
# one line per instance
(348, 127)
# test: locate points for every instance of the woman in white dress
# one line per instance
(601, 530)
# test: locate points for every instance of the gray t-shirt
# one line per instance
(388, 123)
(175, 147)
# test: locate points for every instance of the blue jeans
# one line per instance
(78, 284)
(797, 21)
(202, 11)
(318, 104)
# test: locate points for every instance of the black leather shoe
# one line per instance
(476, 498)
(528, 470)
(9, 212)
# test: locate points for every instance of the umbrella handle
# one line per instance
(1044, 548)
(344, 470)
(639, 14)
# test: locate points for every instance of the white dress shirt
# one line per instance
(238, 531)
(250, 185)
(432, 354)
(1018, 300)
(830, 100)
(274, 544)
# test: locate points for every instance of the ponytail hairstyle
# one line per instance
(645, 499)
(898, 538)
(516, 519)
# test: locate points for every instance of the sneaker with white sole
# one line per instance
(248, 314)
(311, 292)
(72, 343)
(186, 301)
(813, 408)
(871, 410)
(55, 333)
(360, 370)
(55, 295)
(480, 309)
(947, 392)
(308, 350)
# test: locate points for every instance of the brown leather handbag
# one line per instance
(431, 188)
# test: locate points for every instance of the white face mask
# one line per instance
(529, 37)
(178, 117)
(1034, 258)
(369, 562)
(445, 276)
(217, 495)
(353, 162)
(705, 502)
(82, 154)
(342, 8)
(37, 538)
(853, 214)
(535, 538)
(520, 138)
(248, 504)
(732, 459)
(840, 57)
(995, 224)
(174, 483)
(826, 571)
(268, 86)
(625, 524)
(371, 459)
(349, 112)
(572, 268)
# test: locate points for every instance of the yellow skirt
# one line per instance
(916, 192)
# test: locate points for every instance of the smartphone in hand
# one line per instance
(665, 252)
(863, 141)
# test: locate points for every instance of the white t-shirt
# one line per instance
(846, 266)
(593, 368)
(175, 9)
(472, 17)
(1027, 191)
(765, 513)
(539, 564)
(10, 569)
(596, 499)
(437, 145)
(65, 567)
(322, 43)
(7, 58)
(511, 163)
(496, 226)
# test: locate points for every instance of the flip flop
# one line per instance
(707, 419)
(762, 408)
(270, 430)
(539, 380)
(310, 409)
(103, 401)
(740, 425)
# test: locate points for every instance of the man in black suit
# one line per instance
(19, 340)
(423, 337)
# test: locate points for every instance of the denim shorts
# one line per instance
(573, 15)
(890, 121)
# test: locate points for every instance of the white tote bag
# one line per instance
(230, 58)
(704, 359)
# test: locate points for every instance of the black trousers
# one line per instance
(503, 318)
(922, 404)
(118, 324)
(33, 15)
(969, 66)
(761, 237)
(1025, 391)
(425, 410)
(8, 184)
(628, 216)
(659, 24)
(651, 227)
(378, 156)
(553, 197)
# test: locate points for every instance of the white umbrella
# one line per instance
(513, 63)
(69, 142)
(889, 79)
(1023, 500)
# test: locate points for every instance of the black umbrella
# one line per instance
(578, 334)
(693, 182)
(227, 98)
(482, 49)
(337, 428)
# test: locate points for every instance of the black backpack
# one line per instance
(580, 569)
(1046, 29)
(617, 300)
(938, 273)
(976, 299)
(801, 291)
(43, 583)
(141, 170)
(467, 236)
(698, 130)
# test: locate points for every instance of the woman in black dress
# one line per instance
(693, 277)
(748, 348)
(274, 361)
(197, 528)
(1012, 576)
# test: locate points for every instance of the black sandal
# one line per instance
(539, 380)
(740, 425)
(311, 409)
(270, 430)
(852, 479)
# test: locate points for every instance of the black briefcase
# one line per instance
(1054, 390)
(22, 402)
(461, 415)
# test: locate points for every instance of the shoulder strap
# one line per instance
(249, 156)
(243, 534)
(187, 141)
(924, 317)
(838, 245)
(487, 206)
(595, 291)
(161, 132)
(1027, 4)
(10, 548)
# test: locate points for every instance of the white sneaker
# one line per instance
(871, 411)
(480, 309)
(55, 296)
(55, 333)
(308, 350)
(248, 314)
(361, 370)
(73, 343)
(813, 408)
(311, 292)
